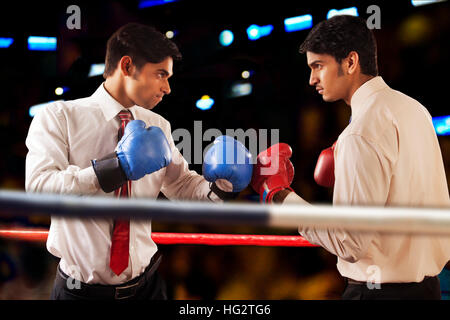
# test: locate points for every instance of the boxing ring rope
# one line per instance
(212, 239)
(392, 219)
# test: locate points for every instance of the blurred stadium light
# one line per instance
(246, 74)
(96, 69)
(226, 38)
(61, 90)
(255, 32)
(42, 43)
(205, 103)
(34, 109)
(298, 23)
(352, 11)
(240, 89)
(442, 125)
(418, 3)
(6, 42)
(170, 34)
(152, 3)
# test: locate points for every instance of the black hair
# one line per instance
(340, 35)
(142, 43)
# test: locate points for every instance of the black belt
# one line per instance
(121, 291)
(386, 284)
(351, 281)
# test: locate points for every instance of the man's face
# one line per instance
(146, 87)
(327, 76)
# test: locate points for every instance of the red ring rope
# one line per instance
(211, 239)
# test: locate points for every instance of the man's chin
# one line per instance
(328, 99)
(149, 106)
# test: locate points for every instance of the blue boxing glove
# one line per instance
(230, 160)
(141, 151)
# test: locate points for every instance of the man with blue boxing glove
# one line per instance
(111, 144)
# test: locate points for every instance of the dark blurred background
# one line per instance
(413, 57)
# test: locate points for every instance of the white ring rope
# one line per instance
(391, 219)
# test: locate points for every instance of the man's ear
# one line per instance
(126, 65)
(352, 62)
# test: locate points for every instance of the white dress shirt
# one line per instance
(62, 140)
(388, 155)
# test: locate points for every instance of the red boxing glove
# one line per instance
(324, 172)
(273, 171)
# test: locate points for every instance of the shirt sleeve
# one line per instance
(363, 173)
(362, 177)
(47, 166)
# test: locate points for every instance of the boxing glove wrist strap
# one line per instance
(276, 195)
(109, 173)
(223, 195)
(279, 196)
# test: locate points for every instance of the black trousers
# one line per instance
(153, 287)
(428, 289)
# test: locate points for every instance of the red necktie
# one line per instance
(121, 234)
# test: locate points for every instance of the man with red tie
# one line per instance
(112, 144)
(388, 155)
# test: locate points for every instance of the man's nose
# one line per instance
(166, 87)
(313, 80)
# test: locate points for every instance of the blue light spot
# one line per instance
(6, 42)
(152, 3)
(255, 32)
(204, 103)
(417, 3)
(442, 125)
(42, 43)
(226, 38)
(353, 11)
(96, 69)
(34, 109)
(298, 23)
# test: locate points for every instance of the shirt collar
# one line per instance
(109, 106)
(364, 91)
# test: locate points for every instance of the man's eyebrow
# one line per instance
(166, 73)
(315, 62)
